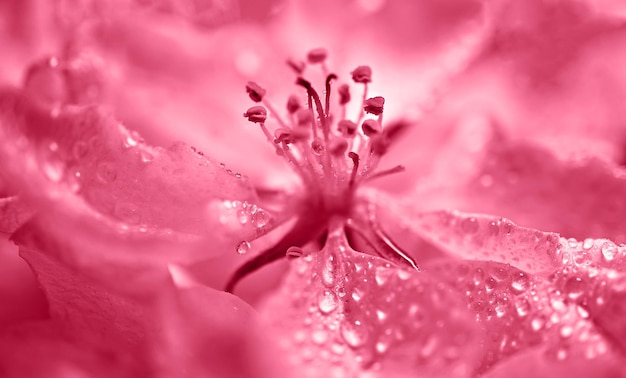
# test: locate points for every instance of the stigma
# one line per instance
(332, 154)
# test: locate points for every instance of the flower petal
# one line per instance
(341, 313)
(580, 199)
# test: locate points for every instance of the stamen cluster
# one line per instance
(332, 155)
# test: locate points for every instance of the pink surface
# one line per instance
(465, 219)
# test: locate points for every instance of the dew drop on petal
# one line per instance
(355, 334)
(587, 243)
(327, 302)
(566, 331)
(106, 172)
(470, 225)
(537, 323)
(146, 156)
(574, 287)
(260, 218)
(522, 306)
(520, 282)
(609, 250)
(127, 212)
(319, 336)
(243, 247)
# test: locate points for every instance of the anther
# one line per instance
(318, 55)
(374, 105)
(347, 128)
(318, 103)
(294, 252)
(344, 94)
(289, 136)
(255, 91)
(293, 104)
(355, 168)
(362, 74)
(337, 146)
(371, 127)
(256, 114)
(329, 78)
(297, 66)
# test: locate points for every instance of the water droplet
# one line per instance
(106, 172)
(127, 212)
(537, 323)
(558, 304)
(574, 287)
(479, 276)
(587, 243)
(355, 334)
(493, 228)
(520, 282)
(582, 257)
(403, 274)
(132, 138)
(260, 218)
(381, 276)
(381, 315)
(522, 306)
(146, 156)
(470, 225)
(319, 336)
(561, 354)
(341, 292)
(609, 250)
(501, 307)
(243, 248)
(80, 150)
(327, 302)
(573, 243)
(357, 294)
(507, 226)
(566, 331)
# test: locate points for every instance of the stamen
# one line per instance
(306, 229)
(362, 74)
(374, 105)
(255, 91)
(256, 114)
(328, 80)
(383, 236)
(371, 127)
(294, 252)
(355, 161)
(316, 56)
(387, 172)
(297, 66)
(347, 128)
(318, 104)
(293, 104)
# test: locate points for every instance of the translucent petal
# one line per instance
(342, 313)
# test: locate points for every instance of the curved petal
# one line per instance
(342, 313)
(526, 183)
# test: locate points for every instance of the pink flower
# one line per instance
(377, 270)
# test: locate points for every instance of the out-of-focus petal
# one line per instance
(13, 213)
(576, 198)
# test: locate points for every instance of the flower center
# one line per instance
(332, 158)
